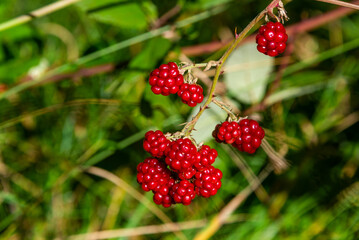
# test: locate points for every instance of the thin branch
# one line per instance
(341, 3)
(303, 26)
(223, 106)
(137, 195)
(190, 126)
(165, 17)
(36, 14)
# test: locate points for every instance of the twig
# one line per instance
(224, 214)
(165, 17)
(223, 106)
(303, 26)
(36, 14)
(190, 126)
(341, 3)
(134, 193)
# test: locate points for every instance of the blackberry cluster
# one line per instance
(271, 39)
(227, 132)
(177, 170)
(246, 135)
(167, 80)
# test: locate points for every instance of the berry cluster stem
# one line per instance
(239, 37)
(225, 108)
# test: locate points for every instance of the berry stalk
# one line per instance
(223, 106)
(190, 125)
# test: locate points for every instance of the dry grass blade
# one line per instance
(248, 174)
(151, 229)
(349, 197)
(224, 214)
(341, 3)
(74, 103)
(141, 198)
(280, 164)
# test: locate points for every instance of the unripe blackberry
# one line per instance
(205, 157)
(191, 94)
(166, 79)
(180, 154)
(187, 174)
(155, 143)
(162, 193)
(183, 192)
(151, 173)
(215, 133)
(271, 39)
(251, 138)
(208, 181)
(227, 132)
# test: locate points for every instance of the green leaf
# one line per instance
(247, 73)
(92, 5)
(212, 3)
(127, 15)
(154, 50)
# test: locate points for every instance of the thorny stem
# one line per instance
(194, 65)
(190, 125)
(199, 65)
(225, 108)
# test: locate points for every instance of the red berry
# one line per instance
(208, 181)
(155, 143)
(162, 193)
(191, 94)
(271, 39)
(205, 157)
(152, 173)
(187, 174)
(166, 79)
(180, 155)
(251, 138)
(183, 192)
(227, 132)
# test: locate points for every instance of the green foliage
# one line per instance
(61, 115)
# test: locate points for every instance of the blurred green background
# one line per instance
(74, 97)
